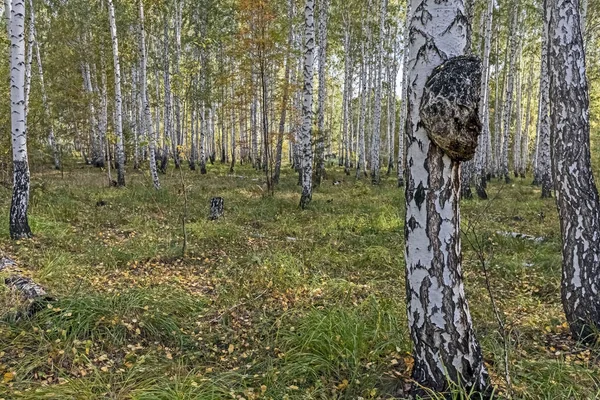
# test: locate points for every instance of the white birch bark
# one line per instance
(445, 348)
(361, 145)
(347, 94)
(19, 225)
(148, 129)
(307, 103)
(376, 138)
(118, 98)
(49, 122)
(543, 154)
(404, 95)
(576, 193)
(484, 148)
(518, 125)
(28, 71)
(508, 96)
(322, 92)
(525, 137)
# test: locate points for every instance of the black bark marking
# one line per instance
(19, 224)
(420, 195)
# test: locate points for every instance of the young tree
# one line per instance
(19, 225)
(51, 137)
(376, 139)
(118, 98)
(543, 147)
(445, 347)
(484, 107)
(307, 113)
(147, 120)
(576, 193)
(404, 95)
(322, 91)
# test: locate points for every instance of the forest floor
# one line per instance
(269, 302)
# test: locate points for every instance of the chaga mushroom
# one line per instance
(449, 109)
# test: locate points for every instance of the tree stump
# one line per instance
(449, 109)
(216, 208)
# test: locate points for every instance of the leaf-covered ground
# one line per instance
(270, 302)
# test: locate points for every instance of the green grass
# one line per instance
(269, 302)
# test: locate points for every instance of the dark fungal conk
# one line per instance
(449, 109)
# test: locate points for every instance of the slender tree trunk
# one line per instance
(404, 94)
(543, 156)
(525, 137)
(376, 138)
(285, 98)
(118, 99)
(361, 162)
(307, 112)
(49, 122)
(144, 94)
(576, 193)
(346, 118)
(518, 126)
(508, 97)
(322, 92)
(177, 134)
(19, 225)
(484, 108)
(445, 348)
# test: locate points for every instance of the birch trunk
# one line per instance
(518, 126)
(404, 95)
(19, 225)
(285, 97)
(51, 137)
(360, 162)
(508, 97)
(543, 155)
(118, 99)
(307, 112)
(322, 92)
(445, 348)
(347, 95)
(525, 137)
(144, 94)
(376, 138)
(96, 141)
(177, 134)
(484, 108)
(576, 193)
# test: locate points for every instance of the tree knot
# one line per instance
(449, 108)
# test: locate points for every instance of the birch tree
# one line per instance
(480, 171)
(51, 137)
(307, 113)
(376, 139)
(543, 147)
(404, 95)
(445, 348)
(322, 91)
(118, 98)
(147, 120)
(576, 193)
(19, 225)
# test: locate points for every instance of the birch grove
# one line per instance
(358, 130)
